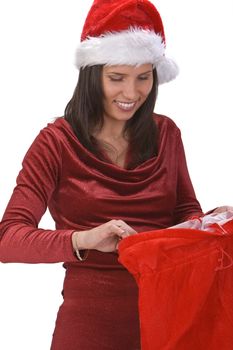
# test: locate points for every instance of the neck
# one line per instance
(111, 131)
(113, 141)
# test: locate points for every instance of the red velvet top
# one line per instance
(83, 192)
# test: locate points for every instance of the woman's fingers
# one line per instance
(104, 238)
(223, 208)
(126, 229)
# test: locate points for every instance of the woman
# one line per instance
(108, 169)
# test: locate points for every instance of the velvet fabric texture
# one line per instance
(185, 280)
(117, 15)
(83, 192)
(99, 311)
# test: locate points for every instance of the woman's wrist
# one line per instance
(78, 245)
(77, 240)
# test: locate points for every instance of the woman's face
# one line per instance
(125, 89)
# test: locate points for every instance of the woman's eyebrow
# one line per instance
(117, 73)
(149, 71)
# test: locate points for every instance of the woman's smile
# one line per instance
(126, 106)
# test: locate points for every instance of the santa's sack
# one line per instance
(185, 280)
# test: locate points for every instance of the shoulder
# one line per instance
(50, 139)
(57, 133)
(59, 128)
(163, 120)
(60, 137)
(165, 124)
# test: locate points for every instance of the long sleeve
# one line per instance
(82, 192)
(20, 238)
(186, 203)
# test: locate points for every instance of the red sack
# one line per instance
(185, 280)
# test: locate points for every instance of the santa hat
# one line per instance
(126, 32)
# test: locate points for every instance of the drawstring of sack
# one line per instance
(222, 260)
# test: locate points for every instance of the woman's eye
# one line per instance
(143, 78)
(115, 78)
(119, 79)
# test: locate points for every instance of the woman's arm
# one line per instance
(20, 238)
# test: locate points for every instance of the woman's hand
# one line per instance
(223, 208)
(104, 238)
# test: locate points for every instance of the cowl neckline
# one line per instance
(142, 172)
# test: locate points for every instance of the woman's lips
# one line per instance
(126, 106)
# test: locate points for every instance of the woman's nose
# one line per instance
(130, 91)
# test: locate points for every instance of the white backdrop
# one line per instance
(37, 78)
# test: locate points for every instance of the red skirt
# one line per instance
(99, 312)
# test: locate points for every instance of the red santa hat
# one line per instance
(126, 32)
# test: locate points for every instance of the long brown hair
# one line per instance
(85, 111)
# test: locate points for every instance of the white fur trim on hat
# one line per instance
(131, 47)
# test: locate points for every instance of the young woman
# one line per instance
(108, 169)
